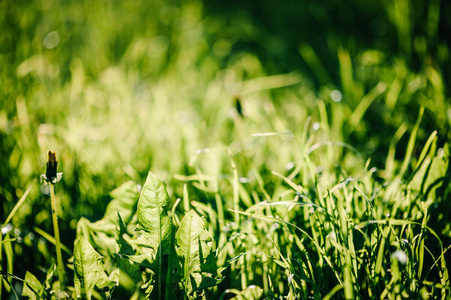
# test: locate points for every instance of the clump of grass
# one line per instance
(328, 231)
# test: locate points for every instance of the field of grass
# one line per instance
(212, 151)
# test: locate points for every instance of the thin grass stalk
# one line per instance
(59, 258)
(1, 263)
(411, 144)
(186, 205)
(235, 192)
(51, 177)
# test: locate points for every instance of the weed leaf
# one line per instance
(89, 270)
(32, 288)
(154, 224)
(130, 268)
(198, 261)
(101, 233)
(124, 201)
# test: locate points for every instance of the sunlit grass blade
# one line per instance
(364, 104)
(333, 292)
(19, 203)
(315, 64)
(346, 76)
(296, 187)
(411, 144)
(425, 150)
(235, 184)
(390, 160)
(51, 239)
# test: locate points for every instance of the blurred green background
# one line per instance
(118, 88)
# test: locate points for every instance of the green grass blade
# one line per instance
(425, 149)
(235, 184)
(390, 160)
(365, 103)
(348, 282)
(333, 292)
(186, 202)
(380, 254)
(314, 63)
(51, 239)
(19, 203)
(346, 76)
(411, 144)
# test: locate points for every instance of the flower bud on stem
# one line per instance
(51, 177)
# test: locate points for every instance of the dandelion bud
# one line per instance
(51, 166)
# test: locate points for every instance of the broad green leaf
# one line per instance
(101, 234)
(124, 201)
(152, 211)
(154, 231)
(198, 261)
(127, 267)
(154, 223)
(121, 231)
(32, 288)
(89, 270)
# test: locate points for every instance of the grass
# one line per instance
(318, 160)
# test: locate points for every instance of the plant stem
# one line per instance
(1, 261)
(236, 197)
(56, 231)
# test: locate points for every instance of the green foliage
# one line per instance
(198, 264)
(33, 288)
(89, 271)
(102, 233)
(143, 256)
(154, 225)
(314, 163)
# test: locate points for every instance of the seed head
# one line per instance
(51, 165)
(51, 175)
